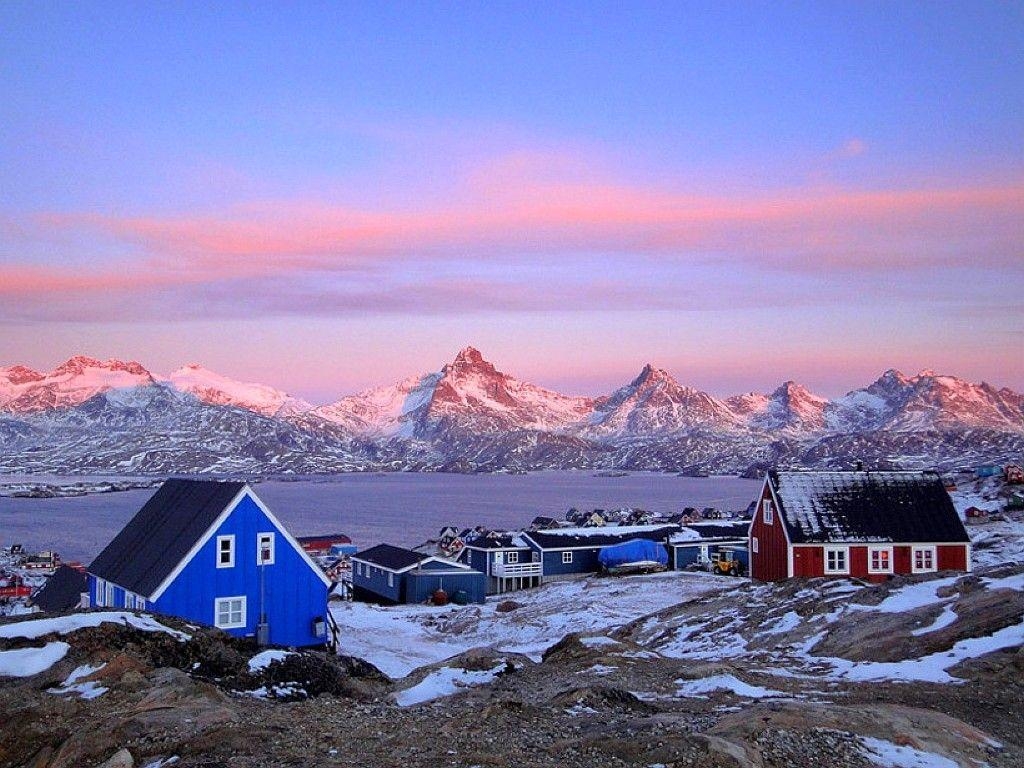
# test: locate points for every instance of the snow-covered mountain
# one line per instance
(214, 389)
(655, 404)
(791, 408)
(927, 401)
(468, 395)
(116, 416)
(23, 390)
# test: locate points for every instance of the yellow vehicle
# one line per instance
(725, 563)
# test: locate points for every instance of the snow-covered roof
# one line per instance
(866, 506)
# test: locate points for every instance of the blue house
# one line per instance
(506, 559)
(212, 553)
(388, 574)
(567, 552)
(697, 543)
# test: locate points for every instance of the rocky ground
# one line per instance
(918, 672)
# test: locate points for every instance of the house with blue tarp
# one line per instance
(568, 552)
(212, 553)
(388, 574)
(697, 544)
(506, 559)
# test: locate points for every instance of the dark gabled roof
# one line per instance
(391, 557)
(157, 539)
(866, 506)
(567, 538)
(62, 591)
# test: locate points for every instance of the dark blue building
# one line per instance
(697, 544)
(566, 552)
(389, 574)
(212, 553)
(506, 559)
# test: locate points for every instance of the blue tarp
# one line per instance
(635, 551)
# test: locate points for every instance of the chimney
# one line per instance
(860, 466)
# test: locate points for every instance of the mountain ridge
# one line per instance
(471, 416)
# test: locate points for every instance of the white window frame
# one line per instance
(927, 548)
(391, 579)
(108, 595)
(100, 588)
(767, 512)
(566, 558)
(512, 558)
(230, 541)
(754, 544)
(272, 540)
(845, 570)
(872, 551)
(229, 624)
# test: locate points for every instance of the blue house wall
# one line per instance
(293, 594)
(370, 582)
(416, 585)
(583, 561)
(420, 586)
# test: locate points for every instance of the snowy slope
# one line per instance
(215, 389)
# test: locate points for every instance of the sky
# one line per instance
(327, 197)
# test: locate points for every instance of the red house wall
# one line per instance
(771, 561)
(809, 561)
(952, 557)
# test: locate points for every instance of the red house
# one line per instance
(868, 525)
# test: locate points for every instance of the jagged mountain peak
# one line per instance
(20, 374)
(649, 375)
(79, 364)
(469, 360)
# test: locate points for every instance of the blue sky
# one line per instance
(739, 192)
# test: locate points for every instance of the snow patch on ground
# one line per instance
(64, 625)
(87, 689)
(25, 662)
(445, 682)
(698, 688)
(944, 619)
(889, 755)
(263, 659)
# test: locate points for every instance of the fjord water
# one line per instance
(398, 508)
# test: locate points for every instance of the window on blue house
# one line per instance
(264, 549)
(512, 557)
(229, 612)
(225, 551)
(567, 557)
(391, 579)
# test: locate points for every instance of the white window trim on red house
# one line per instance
(934, 551)
(767, 512)
(888, 558)
(845, 570)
